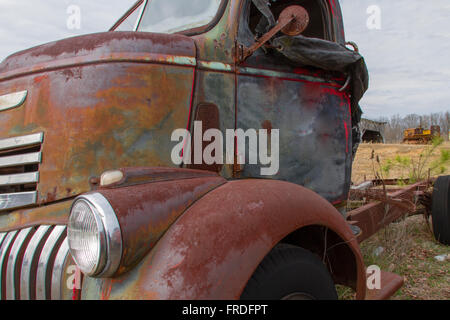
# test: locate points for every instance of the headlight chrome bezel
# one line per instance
(110, 235)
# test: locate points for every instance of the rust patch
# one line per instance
(101, 44)
(137, 126)
(267, 125)
(141, 175)
(51, 196)
(57, 214)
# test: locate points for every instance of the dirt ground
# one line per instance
(408, 247)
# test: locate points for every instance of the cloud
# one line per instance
(24, 23)
(407, 59)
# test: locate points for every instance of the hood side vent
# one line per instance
(19, 170)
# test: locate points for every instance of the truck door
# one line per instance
(304, 103)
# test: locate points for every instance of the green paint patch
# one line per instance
(19, 129)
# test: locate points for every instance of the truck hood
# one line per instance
(98, 46)
(89, 104)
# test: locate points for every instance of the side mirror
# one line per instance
(292, 21)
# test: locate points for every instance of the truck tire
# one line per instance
(290, 273)
(441, 210)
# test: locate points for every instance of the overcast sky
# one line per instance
(406, 43)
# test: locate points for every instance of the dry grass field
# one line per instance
(408, 247)
(364, 167)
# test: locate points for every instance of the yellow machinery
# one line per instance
(420, 135)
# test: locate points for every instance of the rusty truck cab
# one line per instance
(97, 103)
(267, 91)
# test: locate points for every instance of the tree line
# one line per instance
(396, 125)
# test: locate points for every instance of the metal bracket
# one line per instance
(292, 21)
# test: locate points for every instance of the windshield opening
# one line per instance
(170, 16)
(129, 21)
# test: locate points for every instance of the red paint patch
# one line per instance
(40, 78)
(267, 125)
(190, 110)
(346, 137)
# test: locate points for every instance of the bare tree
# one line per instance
(396, 125)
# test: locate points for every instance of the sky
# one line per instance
(407, 57)
(406, 43)
(28, 23)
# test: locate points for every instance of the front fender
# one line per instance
(212, 250)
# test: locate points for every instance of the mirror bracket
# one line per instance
(292, 21)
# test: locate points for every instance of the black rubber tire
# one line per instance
(441, 210)
(287, 270)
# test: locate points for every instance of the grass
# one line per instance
(409, 245)
(409, 250)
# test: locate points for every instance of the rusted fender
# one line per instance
(146, 211)
(212, 250)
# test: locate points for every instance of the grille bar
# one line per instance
(12, 100)
(4, 250)
(21, 159)
(46, 262)
(15, 256)
(16, 200)
(34, 263)
(28, 275)
(16, 179)
(2, 236)
(58, 270)
(24, 141)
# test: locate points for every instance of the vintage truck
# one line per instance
(87, 181)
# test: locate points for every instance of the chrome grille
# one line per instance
(32, 263)
(19, 170)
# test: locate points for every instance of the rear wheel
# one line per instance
(290, 273)
(441, 210)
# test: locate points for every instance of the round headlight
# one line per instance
(94, 236)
